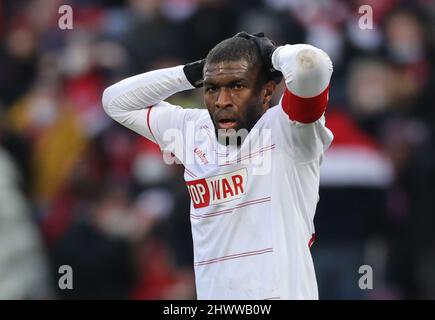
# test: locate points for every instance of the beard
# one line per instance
(245, 123)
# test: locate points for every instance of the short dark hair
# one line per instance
(235, 49)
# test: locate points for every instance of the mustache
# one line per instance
(225, 115)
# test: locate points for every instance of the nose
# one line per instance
(224, 99)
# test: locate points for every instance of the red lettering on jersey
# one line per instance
(238, 183)
(215, 185)
(226, 188)
(199, 193)
(217, 189)
(201, 155)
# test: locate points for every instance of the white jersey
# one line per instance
(252, 206)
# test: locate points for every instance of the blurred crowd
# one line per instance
(78, 189)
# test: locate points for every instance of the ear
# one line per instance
(267, 92)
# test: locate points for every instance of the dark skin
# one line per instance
(235, 96)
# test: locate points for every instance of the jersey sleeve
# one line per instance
(301, 141)
(138, 104)
(165, 124)
(171, 127)
(300, 115)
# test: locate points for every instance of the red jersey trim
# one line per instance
(311, 242)
(234, 256)
(148, 122)
(305, 110)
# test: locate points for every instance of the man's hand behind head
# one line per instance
(194, 73)
(266, 48)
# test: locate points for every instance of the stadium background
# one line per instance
(78, 189)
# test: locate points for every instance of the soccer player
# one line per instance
(254, 193)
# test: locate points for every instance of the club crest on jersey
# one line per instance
(217, 189)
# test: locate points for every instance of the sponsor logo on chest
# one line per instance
(201, 155)
(218, 189)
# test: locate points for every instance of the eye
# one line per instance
(238, 86)
(211, 89)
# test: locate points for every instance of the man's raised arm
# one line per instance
(149, 88)
(129, 101)
(307, 71)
